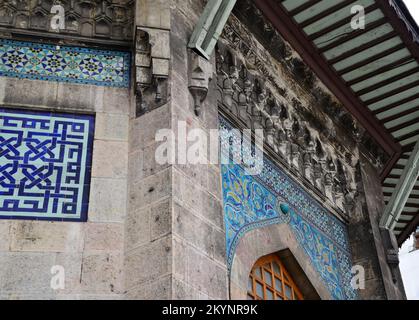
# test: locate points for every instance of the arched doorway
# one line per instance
(270, 280)
(275, 239)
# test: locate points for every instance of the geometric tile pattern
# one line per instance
(45, 165)
(64, 64)
(254, 201)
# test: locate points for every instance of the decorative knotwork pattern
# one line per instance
(65, 64)
(45, 164)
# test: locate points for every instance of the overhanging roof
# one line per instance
(373, 71)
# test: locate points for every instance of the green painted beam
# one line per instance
(210, 26)
(402, 192)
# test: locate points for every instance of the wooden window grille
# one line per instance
(269, 280)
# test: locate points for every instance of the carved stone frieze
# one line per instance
(253, 96)
(249, 18)
(108, 19)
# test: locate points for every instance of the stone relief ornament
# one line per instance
(250, 98)
(249, 33)
(108, 19)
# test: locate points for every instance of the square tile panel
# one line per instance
(45, 165)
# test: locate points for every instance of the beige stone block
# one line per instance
(76, 97)
(90, 297)
(195, 174)
(102, 273)
(29, 93)
(107, 200)
(27, 273)
(161, 67)
(180, 264)
(111, 126)
(148, 262)
(214, 181)
(115, 100)
(213, 210)
(207, 276)
(72, 266)
(135, 166)
(5, 226)
(153, 13)
(151, 189)
(193, 229)
(187, 192)
(219, 245)
(110, 159)
(143, 129)
(183, 291)
(159, 289)
(137, 230)
(161, 219)
(46, 236)
(104, 237)
(93, 98)
(28, 297)
(150, 165)
(142, 60)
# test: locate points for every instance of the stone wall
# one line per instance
(181, 253)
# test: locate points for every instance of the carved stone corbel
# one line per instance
(200, 73)
(152, 59)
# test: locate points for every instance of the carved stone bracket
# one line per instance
(152, 65)
(200, 72)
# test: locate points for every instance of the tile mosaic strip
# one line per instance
(45, 165)
(253, 201)
(27, 60)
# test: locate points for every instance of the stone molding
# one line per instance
(108, 19)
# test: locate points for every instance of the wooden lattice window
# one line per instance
(269, 280)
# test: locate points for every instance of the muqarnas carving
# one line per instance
(248, 98)
(108, 19)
